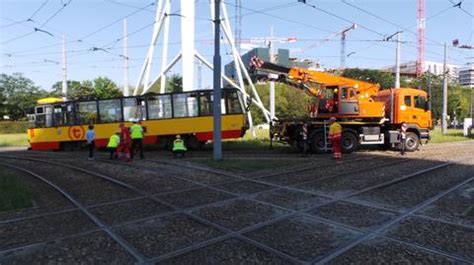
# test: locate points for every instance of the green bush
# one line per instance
(10, 127)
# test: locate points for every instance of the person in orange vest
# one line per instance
(125, 140)
(335, 136)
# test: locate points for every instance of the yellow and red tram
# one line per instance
(57, 125)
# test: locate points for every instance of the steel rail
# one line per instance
(372, 234)
(249, 228)
(130, 249)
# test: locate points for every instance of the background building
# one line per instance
(466, 77)
(408, 69)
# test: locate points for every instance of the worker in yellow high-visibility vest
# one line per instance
(179, 147)
(136, 132)
(114, 142)
(335, 136)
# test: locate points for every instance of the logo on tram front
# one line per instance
(76, 132)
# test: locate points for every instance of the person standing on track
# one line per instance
(335, 136)
(90, 136)
(124, 145)
(113, 144)
(136, 130)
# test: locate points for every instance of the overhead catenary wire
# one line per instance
(41, 25)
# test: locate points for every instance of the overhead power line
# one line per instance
(342, 18)
(39, 9)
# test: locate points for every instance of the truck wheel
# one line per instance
(411, 142)
(349, 142)
(317, 144)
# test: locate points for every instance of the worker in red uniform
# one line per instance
(123, 150)
(335, 136)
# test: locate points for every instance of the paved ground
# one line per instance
(373, 208)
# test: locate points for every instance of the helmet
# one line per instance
(178, 136)
(332, 119)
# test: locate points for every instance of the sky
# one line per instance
(94, 32)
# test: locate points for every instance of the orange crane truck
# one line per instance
(368, 115)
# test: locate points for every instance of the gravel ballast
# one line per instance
(291, 199)
(195, 197)
(162, 235)
(239, 214)
(42, 229)
(93, 248)
(86, 188)
(302, 237)
(117, 213)
(410, 192)
(229, 252)
(383, 251)
(456, 207)
(244, 187)
(445, 237)
(355, 215)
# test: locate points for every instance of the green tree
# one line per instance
(289, 102)
(99, 88)
(386, 80)
(174, 83)
(18, 95)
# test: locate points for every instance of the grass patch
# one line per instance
(241, 165)
(453, 135)
(18, 139)
(14, 194)
(8, 127)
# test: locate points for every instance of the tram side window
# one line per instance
(159, 107)
(63, 114)
(205, 103)
(234, 104)
(222, 103)
(86, 112)
(110, 110)
(134, 109)
(185, 105)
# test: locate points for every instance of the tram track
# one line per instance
(390, 183)
(238, 234)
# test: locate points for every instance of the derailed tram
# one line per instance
(59, 125)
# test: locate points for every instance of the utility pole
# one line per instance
(125, 59)
(397, 57)
(216, 104)
(64, 85)
(343, 44)
(272, 83)
(444, 121)
(397, 60)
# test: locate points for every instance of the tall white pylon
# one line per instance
(187, 49)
